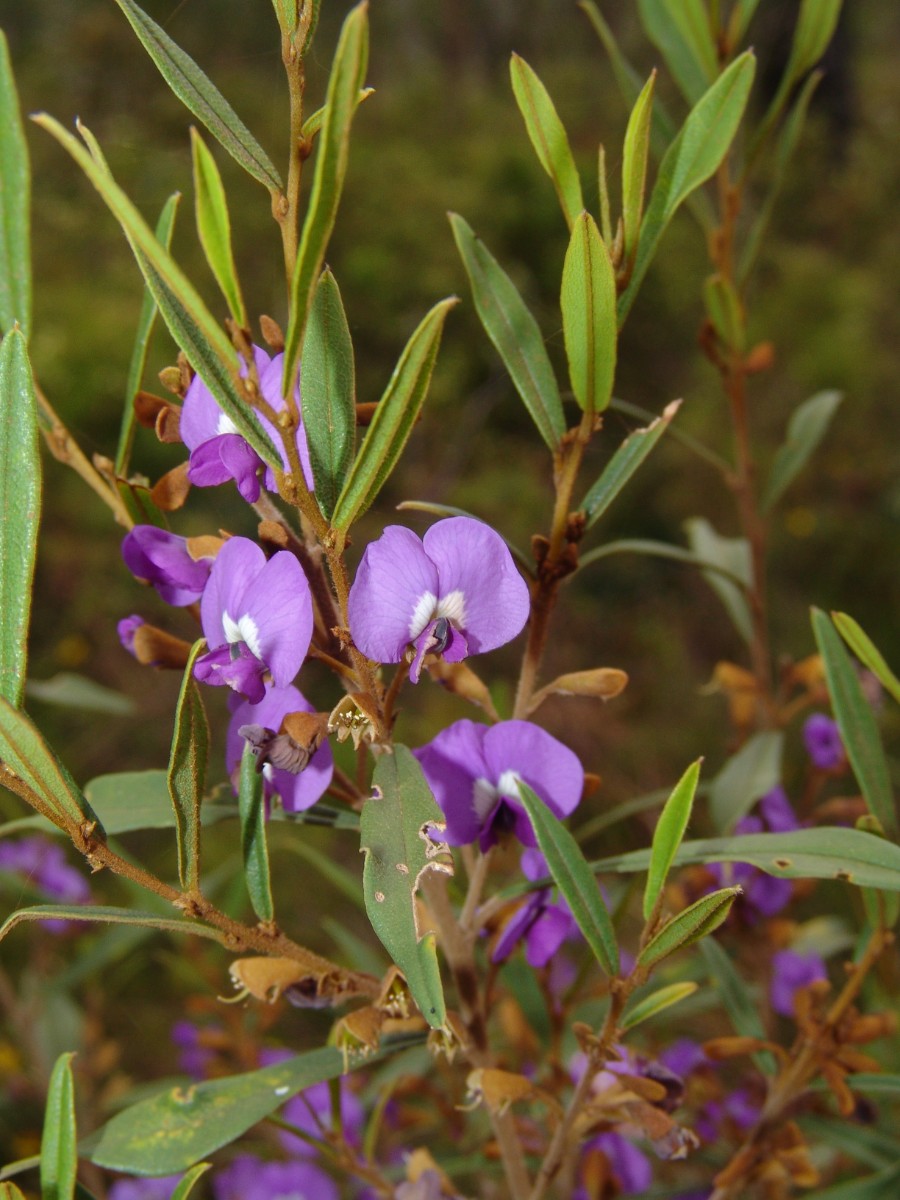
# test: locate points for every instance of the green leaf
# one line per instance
(110, 915)
(823, 853)
(750, 773)
(877, 1085)
(200, 95)
(635, 153)
(20, 509)
(857, 724)
(15, 195)
(69, 690)
(59, 1141)
(214, 226)
(732, 556)
(693, 923)
(656, 1002)
(736, 998)
(187, 771)
(347, 72)
(867, 652)
(315, 121)
(130, 800)
(514, 332)
(865, 1144)
(725, 312)
(253, 836)
(186, 1185)
(741, 16)
(624, 463)
(574, 879)
(9, 1191)
(395, 416)
(547, 136)
(668, 835)
(175, 1129)
(27, 755)
(680, 30)
(883, 1186)
(342, 880)
(328, 392)
(654, 550)
(191, 324)
(691, 159)
(395, 838)
(588, 304)
(808, 425)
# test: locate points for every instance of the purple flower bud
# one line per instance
(256, 617)
(250, 1178)
(219, 453)
(474, 769)
(127, 628)
(790, 972)
(163, 560)
(823, 742)
(455, 592)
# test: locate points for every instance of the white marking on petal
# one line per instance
(225, 425)
(508, 784)
(423, 612)
(453, 607)
(242, 630)
(484, 797)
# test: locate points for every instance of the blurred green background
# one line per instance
(442, 132)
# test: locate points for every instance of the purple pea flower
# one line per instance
(43, 864)
(256, 617)
(543, 925)
(455, 592)
(164, 560)
(474, 770)
(250, 1178)
(790, 972)
(297, 792)
(823, 742)
(631, 1167)
(764, 895)
(218, 452)
(159, 1188)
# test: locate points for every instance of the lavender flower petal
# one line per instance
(163, 560)
(790, 972)
(822, 738)
(395, 581)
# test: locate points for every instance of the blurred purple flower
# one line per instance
(823, 742)
(764, 895)
(297, 791)
(473, 771)
(737, 1108)
(194, 1055)
(631, 1167)
(250, 1178)
(790, 972)
(684, 1056)
(159, 1188)
(311, 1112)
(541, 923)
(43, 864)
(127, 628)
(219, 453)
(163, 560)
(454, 593)
(256, 616)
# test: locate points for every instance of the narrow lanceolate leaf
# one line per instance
(109, 915)
(395, 416)
(691, 159)
(668, 835)
(200, 95)
(15, 195)
(191, 324)
(174, 1129)
(736, 997)
(186, 1185)
(547, 136)
(731, 557)
(59, 1141)
(9, 1191)
(749, 774)
(328, 392)
(884, 1185)
(146, 321)
(27, 755)
(254, 847)
(20, 509)
(657, 1002)
(187, 772)
(214, 226)
(316, 120)
(808, 425)
(856, 720)
(574, 878)
(514, 331)
(588, 304)
(635, 154)
(867, 652)
(347, 72)
(694, 923)
(400, 839)
(681, 31)
(624, 463)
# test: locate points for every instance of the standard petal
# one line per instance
(393, 577)
(472, 559)
(548, 767)
(237, 565)
(452, 763)
(546, 935)
(279, 604)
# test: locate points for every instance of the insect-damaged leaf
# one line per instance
(187, 772)
(399, 832)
